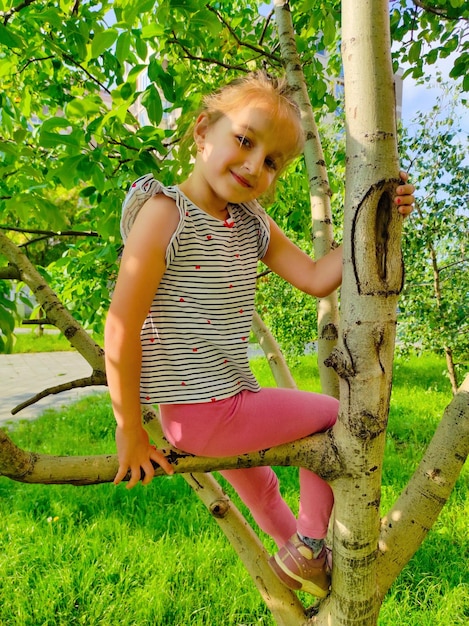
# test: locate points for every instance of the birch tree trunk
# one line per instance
(319, 192)
(372, 280)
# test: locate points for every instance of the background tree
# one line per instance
(433, 307)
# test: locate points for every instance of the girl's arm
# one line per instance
(318, 278)
(141, 269)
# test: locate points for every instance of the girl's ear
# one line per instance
(200, 130)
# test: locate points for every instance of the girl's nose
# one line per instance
(253, 163)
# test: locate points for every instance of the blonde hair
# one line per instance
(254, 88)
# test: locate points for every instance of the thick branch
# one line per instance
(273, 354)
(53, 308)
(316, 453)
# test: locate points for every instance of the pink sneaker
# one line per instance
(295, 566)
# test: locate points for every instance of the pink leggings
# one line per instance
(251, 421)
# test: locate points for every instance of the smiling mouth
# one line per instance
(242, 181)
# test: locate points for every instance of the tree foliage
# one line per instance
(429, 30)
(434, 302)
(79, 118)
(79, 122)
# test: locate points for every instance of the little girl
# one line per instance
(178, 326)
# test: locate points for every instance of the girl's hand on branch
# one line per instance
(405, 198)
(135, 454)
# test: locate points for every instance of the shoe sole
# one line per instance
(295, 582)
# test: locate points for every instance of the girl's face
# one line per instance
(240, 155)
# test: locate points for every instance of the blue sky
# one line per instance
(420, 98)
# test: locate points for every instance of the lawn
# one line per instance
(153, 556)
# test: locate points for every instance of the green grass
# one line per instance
(32, 341)
(153, 556)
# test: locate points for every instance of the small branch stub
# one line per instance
(220, 508)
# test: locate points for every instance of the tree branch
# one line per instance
(30, 61)
(96, 378)
(52, 307)
(438, 11)
(243, 44)
(212, 60)
(51, 233)
(19, 7)
(33, 468)
(406, 525)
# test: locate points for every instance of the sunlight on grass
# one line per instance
(32, 341)
(153, 556)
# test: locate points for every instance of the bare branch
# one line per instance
(51, 56)
(212, 60)
(52, 233)
(96, 378)
(260, 51)
(266, 24)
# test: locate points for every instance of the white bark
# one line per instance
(273, 354)
(320, 192)
(372, 280)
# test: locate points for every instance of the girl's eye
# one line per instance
(271, 164)
(243, 141)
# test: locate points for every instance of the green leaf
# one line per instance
(82, 107)
(103, 41)
(123, 47)
(415, 52)
(330, 29)
(162, 78)
(9, 39)
(152, 102)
